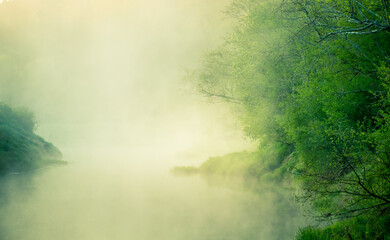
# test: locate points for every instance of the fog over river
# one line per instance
(105, 80)
(117, 197)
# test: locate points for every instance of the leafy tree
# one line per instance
(313, 75)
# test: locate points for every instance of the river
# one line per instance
(112, 195)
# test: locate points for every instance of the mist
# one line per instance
(112, 71)
(105, 81)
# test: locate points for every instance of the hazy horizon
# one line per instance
(105, 80)
(110, 73)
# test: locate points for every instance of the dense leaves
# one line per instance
(20, 148)
(313, 76)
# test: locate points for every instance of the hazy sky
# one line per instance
(105, 79)
(111, 72)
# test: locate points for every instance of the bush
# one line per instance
(21, 119)
(20, 148)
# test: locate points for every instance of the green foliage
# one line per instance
(20, 148)
(231, 165)
(311, 79)
(363, 227)
(21, 119)
(310, 233)
(266, 165)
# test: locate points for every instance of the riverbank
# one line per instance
(20, 148)
(249, 171)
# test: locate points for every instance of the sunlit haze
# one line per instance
(106, 82)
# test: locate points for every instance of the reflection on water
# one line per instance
(116, 197)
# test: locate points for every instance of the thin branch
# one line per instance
(225, 97)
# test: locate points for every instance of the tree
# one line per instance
(336, 119)
(313, 75)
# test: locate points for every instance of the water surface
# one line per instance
(132, 196)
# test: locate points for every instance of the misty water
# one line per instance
(106, 80)
(117, 195)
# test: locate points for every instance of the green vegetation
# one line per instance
(248, 170)
(358, 228)
(231, 166)
(310, 80)
(261, 166)
(20, 148)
